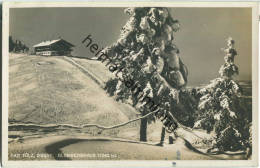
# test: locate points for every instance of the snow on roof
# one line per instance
(94, 58)
(46, 43)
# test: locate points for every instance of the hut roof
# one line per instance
(47, 43)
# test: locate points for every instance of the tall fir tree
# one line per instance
(147, 65)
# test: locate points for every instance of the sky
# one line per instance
(202, 35)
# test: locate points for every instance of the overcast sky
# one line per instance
(200, 39)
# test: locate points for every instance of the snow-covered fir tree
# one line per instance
(221, 108)
(146, 64)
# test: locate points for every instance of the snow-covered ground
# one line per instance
(50, 90)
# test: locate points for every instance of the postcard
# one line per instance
(130, 84)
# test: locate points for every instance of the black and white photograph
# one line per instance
(143, 82)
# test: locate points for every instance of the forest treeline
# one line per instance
(17, 46)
